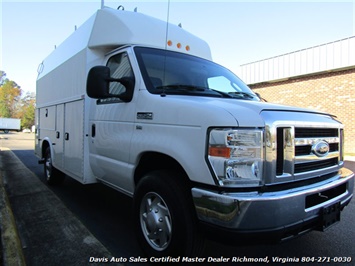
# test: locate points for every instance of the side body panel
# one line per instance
(74, 138)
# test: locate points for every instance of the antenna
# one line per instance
(163, 94)
(167, 25)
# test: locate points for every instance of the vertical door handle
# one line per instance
(66, 136)
(93, 130)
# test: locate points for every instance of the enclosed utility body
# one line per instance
(63, 107)
(136, 103)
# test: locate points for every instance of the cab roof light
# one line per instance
(178, 45)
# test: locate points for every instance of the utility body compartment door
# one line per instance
(59, 145)
(73, 137)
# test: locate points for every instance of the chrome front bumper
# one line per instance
(267, 211)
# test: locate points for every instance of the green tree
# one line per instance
(10, 94)
(12, 105)
(27, 110)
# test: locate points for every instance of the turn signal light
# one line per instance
(219, 152)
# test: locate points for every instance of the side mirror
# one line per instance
(98, 84)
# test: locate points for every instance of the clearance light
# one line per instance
(178, 45)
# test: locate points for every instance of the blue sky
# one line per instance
(238, 32)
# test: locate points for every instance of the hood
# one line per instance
(216, 110)
(208, 111)
(244, 111)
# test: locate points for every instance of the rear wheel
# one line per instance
(53, 176)
(165, 220)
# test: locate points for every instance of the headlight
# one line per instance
(236, 156)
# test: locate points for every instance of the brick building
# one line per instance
(320, 78)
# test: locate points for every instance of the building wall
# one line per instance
(326, 57)
(332, 92)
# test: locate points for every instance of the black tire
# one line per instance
(165, 220)
(52, 175)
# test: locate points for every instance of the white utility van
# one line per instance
(136, 103)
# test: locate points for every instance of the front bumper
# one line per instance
(270, 211)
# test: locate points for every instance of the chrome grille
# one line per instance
(301, 146)
(306, 158)
(316, 132)
(300, 156)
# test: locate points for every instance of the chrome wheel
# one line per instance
(164, 217)
(155, 220)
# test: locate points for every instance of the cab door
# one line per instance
(112, 127)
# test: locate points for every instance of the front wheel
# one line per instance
(52, 175)
(165, 220)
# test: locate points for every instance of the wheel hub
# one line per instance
(155, 221)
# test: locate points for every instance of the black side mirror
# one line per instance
(98, 84)
(129, 83)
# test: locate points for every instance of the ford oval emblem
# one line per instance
(320, 148)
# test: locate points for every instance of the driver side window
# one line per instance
(120, 67)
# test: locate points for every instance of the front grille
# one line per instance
(315, 132)
(312, 166)
(301, 150)
(307, 149)
(300, 146)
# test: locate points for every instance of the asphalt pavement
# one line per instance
(45, 232)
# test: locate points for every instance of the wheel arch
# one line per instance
(153, 161)
(45, 145)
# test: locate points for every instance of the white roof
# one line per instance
(116, 27)
(109, 28)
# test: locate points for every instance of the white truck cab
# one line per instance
(136, 103)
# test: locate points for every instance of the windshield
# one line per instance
(167, 72)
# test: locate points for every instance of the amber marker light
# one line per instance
(219, 152)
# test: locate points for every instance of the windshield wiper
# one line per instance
(182, 87)
(224, 94)
(233, 94)
(242, 93)
(192, 88)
